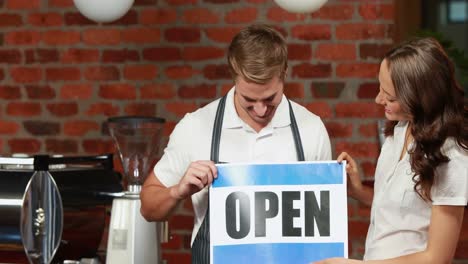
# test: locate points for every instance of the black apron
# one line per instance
(201, 244)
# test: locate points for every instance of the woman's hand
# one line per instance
(354, 180)
(337, 261)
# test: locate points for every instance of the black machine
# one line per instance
(87, 186)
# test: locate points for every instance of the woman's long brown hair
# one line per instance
(425, 85)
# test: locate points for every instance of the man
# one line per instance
(252, 123)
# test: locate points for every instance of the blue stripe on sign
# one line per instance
(276, 253)
(279, 174)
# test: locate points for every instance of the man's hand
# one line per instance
(199, 174)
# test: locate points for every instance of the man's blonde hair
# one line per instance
(258, 53)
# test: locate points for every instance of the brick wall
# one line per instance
(62, 75)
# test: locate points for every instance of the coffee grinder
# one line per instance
(133, 240)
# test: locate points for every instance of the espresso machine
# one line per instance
(53, 208)
(133, 240)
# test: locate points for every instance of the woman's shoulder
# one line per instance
(452, 150)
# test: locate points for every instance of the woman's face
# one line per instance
(387, 97)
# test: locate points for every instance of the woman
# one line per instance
(421, 180)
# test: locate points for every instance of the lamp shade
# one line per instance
(103, 10)
(300, 6)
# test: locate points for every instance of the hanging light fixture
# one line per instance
(103, 10)
(300, 6)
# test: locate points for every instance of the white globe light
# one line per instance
(300, 6)
(103, 10)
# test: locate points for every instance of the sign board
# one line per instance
(278, 213)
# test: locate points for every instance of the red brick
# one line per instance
(241, 15)
(311, 32)
(140, 109)
(168, 128)
(307, 70)
(294, 90)
(223, 35)
(339, 129)
(202, 53)
(181, 108)
(327, 89)
(77, 19)
(322, 109)
(145, 2)
(10, 20)
(98, 146)
(24, 145)
(45, 19)
(10, 56)
(277, 14)
(9, 92)
(177, 257)
(373, 51)
(359, 109)
(334, 12)
(217, 72)
(63, 109)
(123, 55)
(23, 4)
(157, 16)
(364, 211)
(8, 127)
(328, 51)
(80, 127)
(378, 11)
(40, 92)
(181, 222)
(175, 242)
(117, 91)
(368, 130)
(26, 74)
(25, 109)
(359, 70)
(368, 90)
(181, 72)
(358, 149)
(162, 54)
(63, 74)
(368, 168)
(106, 109)
(140, 72)
(101, 36)
(59, 37)
(221, 1)
(80, 56)
(130, 18)
(197, 91)
(22, 37)
(142, 35)
(200, 16)
(60, 3)
(183, 34)
(157, 91)
(299, 52)
(76, 91)
(61, 146)
(102, 73)
(41, 56)
(181, 2)
(360, 31)
(42, 128)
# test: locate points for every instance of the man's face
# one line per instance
(256, 103)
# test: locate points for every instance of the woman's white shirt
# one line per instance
(399, 217)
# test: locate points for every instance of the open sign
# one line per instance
(278, 213)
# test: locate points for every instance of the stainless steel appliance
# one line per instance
(40, 196)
